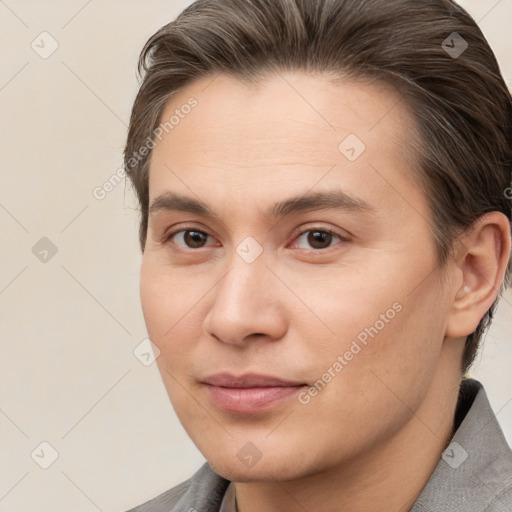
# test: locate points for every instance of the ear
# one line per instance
(482, 260)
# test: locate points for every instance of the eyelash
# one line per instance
(167, 238)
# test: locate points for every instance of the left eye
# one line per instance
(319, 238)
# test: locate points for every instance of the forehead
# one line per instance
(290, 129)
(294, 106)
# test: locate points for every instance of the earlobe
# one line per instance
(483, 263)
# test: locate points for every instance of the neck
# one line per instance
(390, 476)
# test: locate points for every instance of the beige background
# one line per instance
(69, 326)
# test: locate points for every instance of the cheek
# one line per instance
(395, 359)
(153, 301)
(331, 308)
(172, 309)
(163, 307)
(165, 297)
(370, 394)
(388, 326)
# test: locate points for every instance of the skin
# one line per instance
(370, 439)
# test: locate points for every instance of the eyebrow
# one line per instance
(331, 199)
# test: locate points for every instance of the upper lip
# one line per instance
(248, 380)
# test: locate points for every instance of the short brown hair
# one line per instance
(460, 102)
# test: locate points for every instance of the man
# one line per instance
(325, 232)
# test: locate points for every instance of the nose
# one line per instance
(248, 303)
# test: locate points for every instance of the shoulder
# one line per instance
(474, 473)
(202, 491)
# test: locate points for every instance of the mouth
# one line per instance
(249, 393)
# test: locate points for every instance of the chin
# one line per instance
(236, 473)
(267, 470)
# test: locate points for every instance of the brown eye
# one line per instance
(318, 239)
(189, 238)
(194, 239)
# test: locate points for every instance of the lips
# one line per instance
(249, 393)
(249, 380)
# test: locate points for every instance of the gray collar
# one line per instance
(474, 473)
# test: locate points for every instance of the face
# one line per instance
(311, 263)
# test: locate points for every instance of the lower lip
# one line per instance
(250, 400)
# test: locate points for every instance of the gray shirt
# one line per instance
(474, 473)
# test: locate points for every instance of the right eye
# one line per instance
(190, 237)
